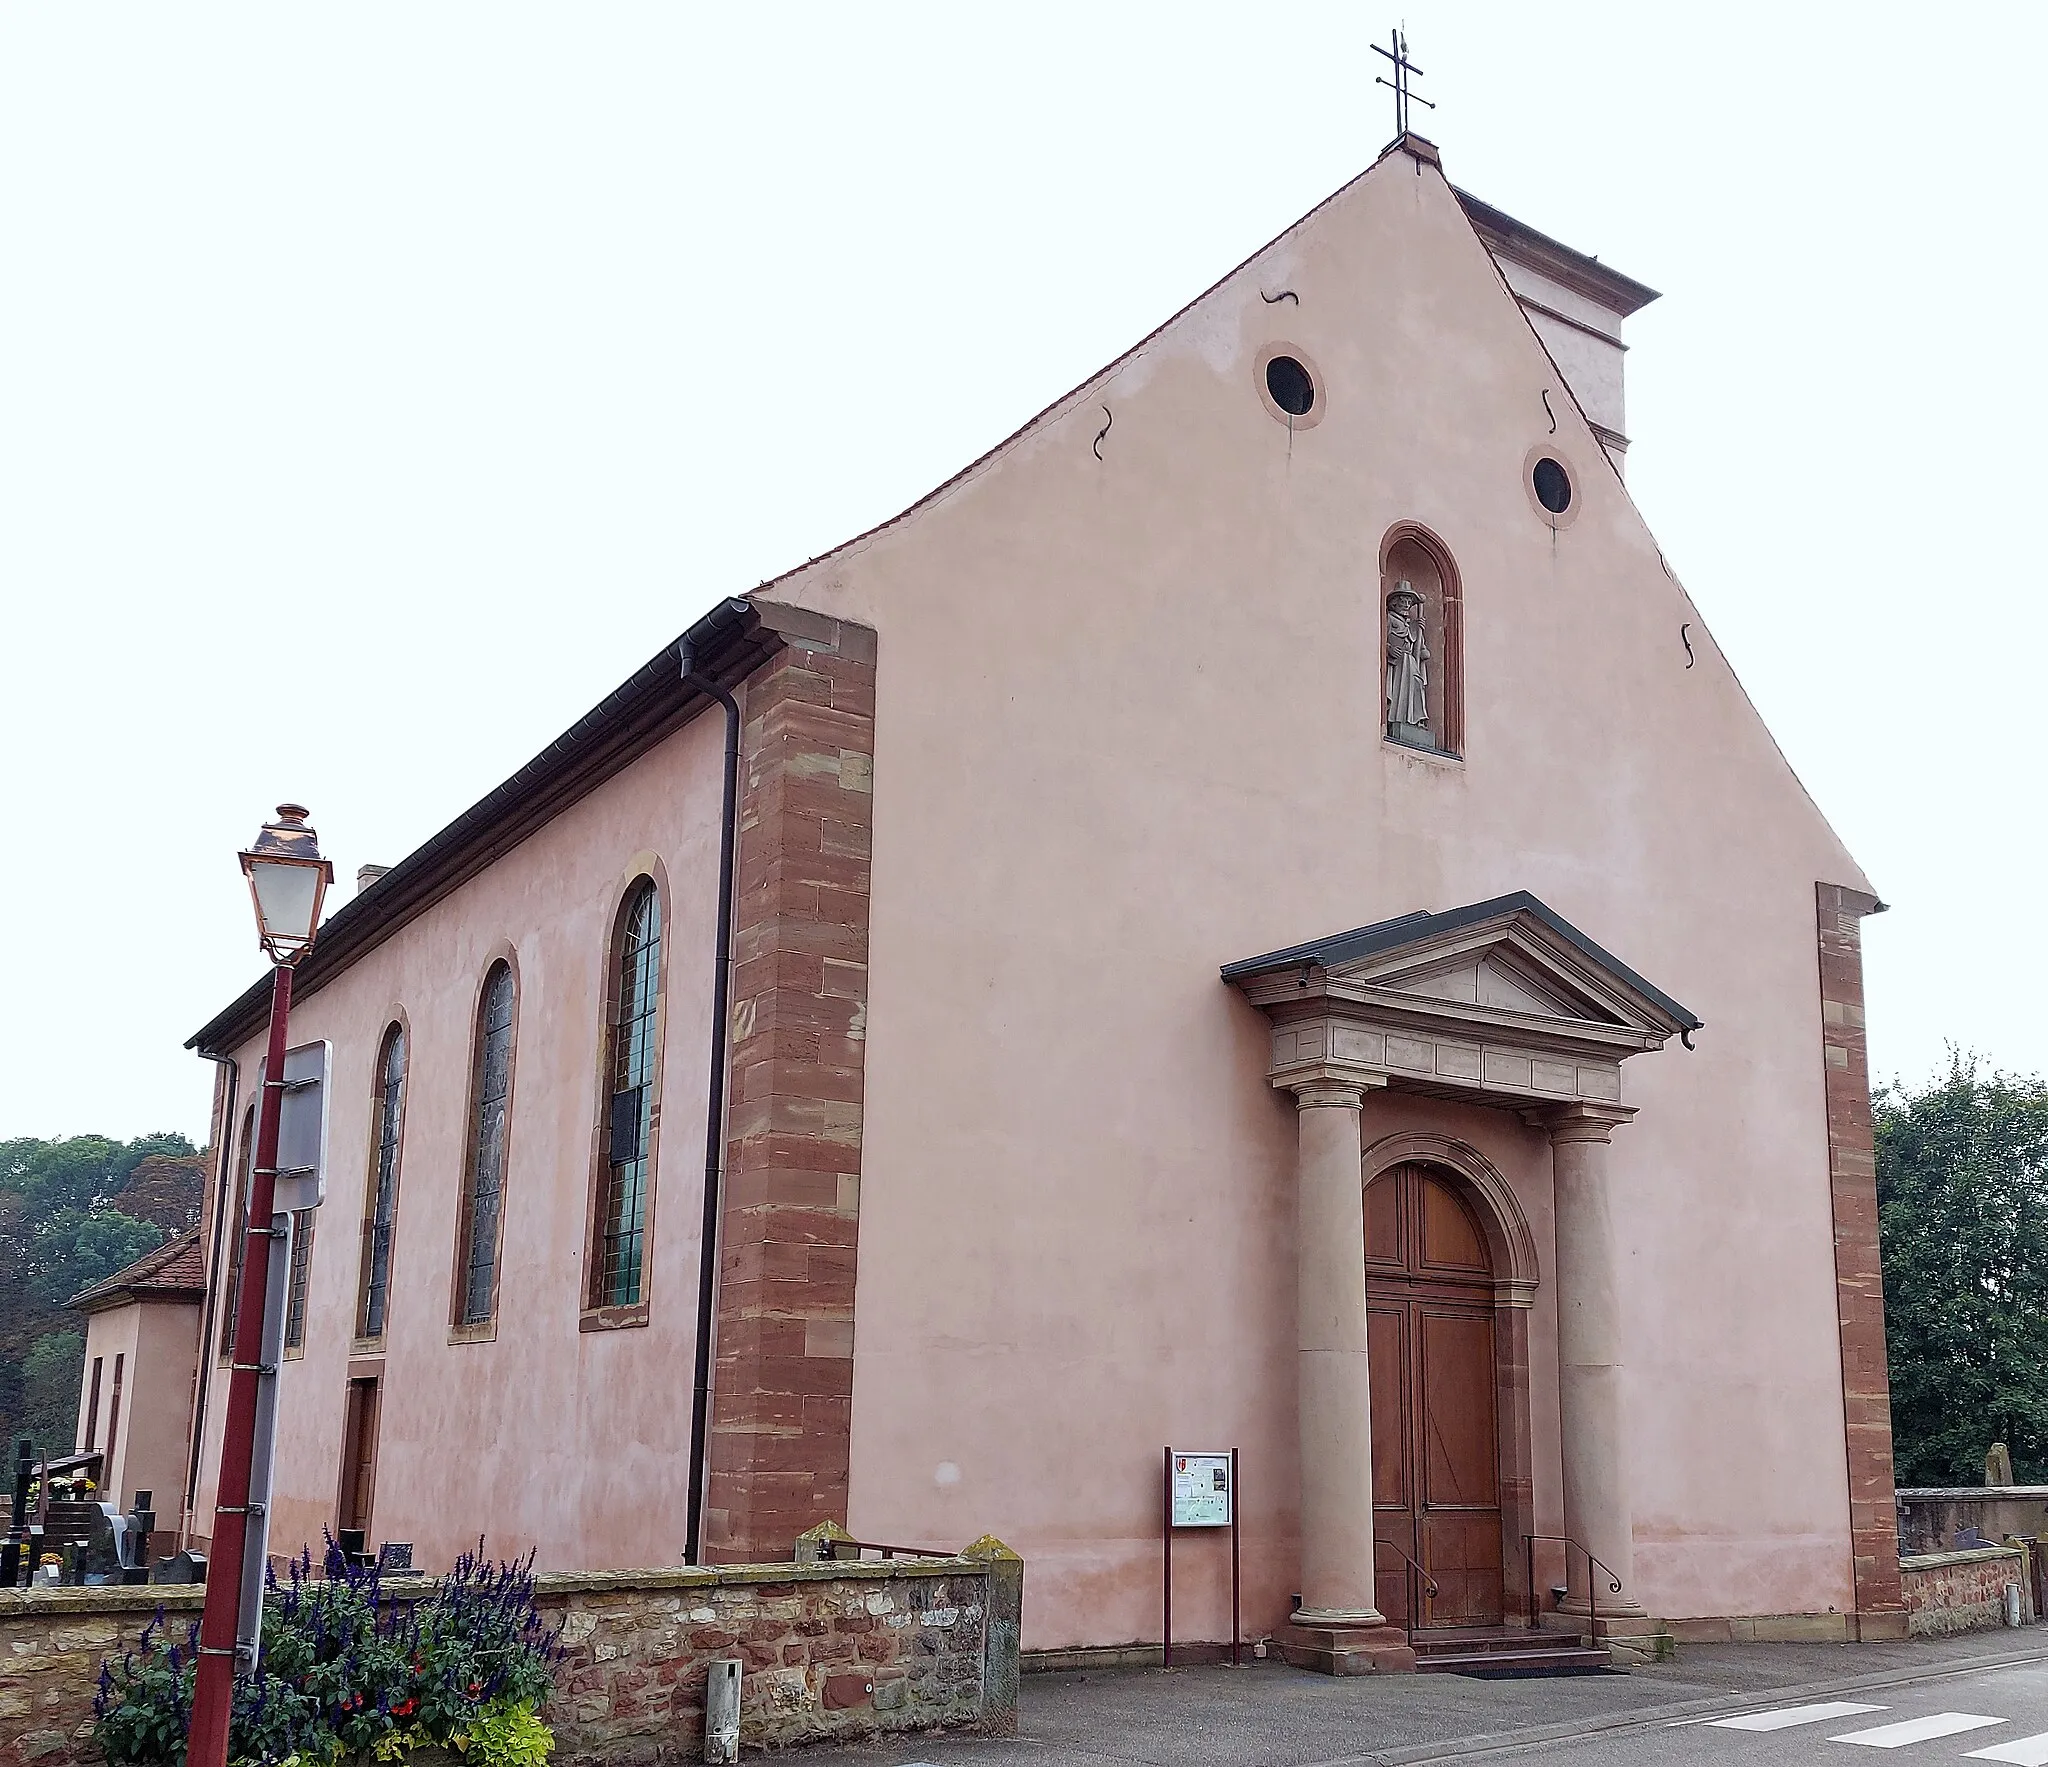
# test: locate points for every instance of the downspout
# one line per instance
(714, 1104)
(224, 1144)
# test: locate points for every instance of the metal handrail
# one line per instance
(1414, 1594)
(1592, 1564)
(826, 1552)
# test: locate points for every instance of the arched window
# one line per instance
(236, 1232)
(619, 1244)
(1422, 628)
(483, 1190)
(300, 1276)
(387, 1119)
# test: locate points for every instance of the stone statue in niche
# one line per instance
(1408, 659)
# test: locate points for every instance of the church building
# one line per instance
(1258, 918)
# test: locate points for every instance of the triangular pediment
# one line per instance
(1500, 976)
(1511, 958)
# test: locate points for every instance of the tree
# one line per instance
(1962, 1190)
(74, 1249)
(163, 1188)
(50, 1375)
(72, 1212)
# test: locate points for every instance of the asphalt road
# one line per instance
(1987, 1715)
(1790, 1706)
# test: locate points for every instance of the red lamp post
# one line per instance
(287, 878)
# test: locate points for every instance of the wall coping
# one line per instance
(116, 1598)
(1983, 1493)
(1936, 1561)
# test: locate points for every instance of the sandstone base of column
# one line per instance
(1347, 1650)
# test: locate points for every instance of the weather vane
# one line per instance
(1398, 85)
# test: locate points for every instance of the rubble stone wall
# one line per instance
(831, 1651)
(1962, 1591)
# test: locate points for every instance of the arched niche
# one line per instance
(1419, 587)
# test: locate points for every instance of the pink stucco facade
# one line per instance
(543, 1435)
(151, 1344)
(1128, 728)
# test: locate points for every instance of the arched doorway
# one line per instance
(1435, 1430)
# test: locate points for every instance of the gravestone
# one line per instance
(1998, 1465)
(180, 1567)
(100, 1558)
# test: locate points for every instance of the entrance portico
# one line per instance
(1506, 1005)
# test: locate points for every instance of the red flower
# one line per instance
(476, 1687)
(405, 1709)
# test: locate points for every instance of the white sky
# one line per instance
(403, 376)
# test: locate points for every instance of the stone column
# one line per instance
(1589, 1339)
(1333, 1380)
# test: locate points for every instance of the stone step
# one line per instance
(1507, 1664)
(1452, 1640)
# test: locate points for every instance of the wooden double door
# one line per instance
(1435, 1435)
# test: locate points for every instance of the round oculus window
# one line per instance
(1552, 485)
(1291, 385)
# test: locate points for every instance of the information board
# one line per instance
(1201, 1491)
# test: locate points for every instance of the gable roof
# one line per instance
(174, 1271)
(1422, 927)
(730, 641)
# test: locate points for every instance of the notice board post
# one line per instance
(1200, 1491)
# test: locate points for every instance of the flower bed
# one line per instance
(347, 1671)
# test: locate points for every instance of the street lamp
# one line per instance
(287, 878)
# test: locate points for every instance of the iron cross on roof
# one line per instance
(1398, 85)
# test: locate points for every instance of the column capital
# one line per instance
(1324, 1089)
(1328, 1084)
(1579, 1122)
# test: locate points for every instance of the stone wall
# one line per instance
(832, 1651)
(1962, 1591)
(1932, 1516)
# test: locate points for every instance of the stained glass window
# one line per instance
(237, 1230)
(478, 1263)
(622, 1221)
(383, 1210)
(295, 1291)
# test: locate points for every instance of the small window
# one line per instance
(113, 1428)
(381, 1214)
(619, 1254)
(1292, 387)
(483, 1192)
(236, 1228)
(295, 1289)
(92, 1408)
(1552, 484)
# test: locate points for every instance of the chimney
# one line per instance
(366, 875)
(1576, 305)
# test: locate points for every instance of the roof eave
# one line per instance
(1520, 243)
(649, 705)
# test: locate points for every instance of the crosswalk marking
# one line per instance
(1894, 1736)
(2028, 1751)
(1785, 1717)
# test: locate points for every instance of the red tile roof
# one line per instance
(174, 1271)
